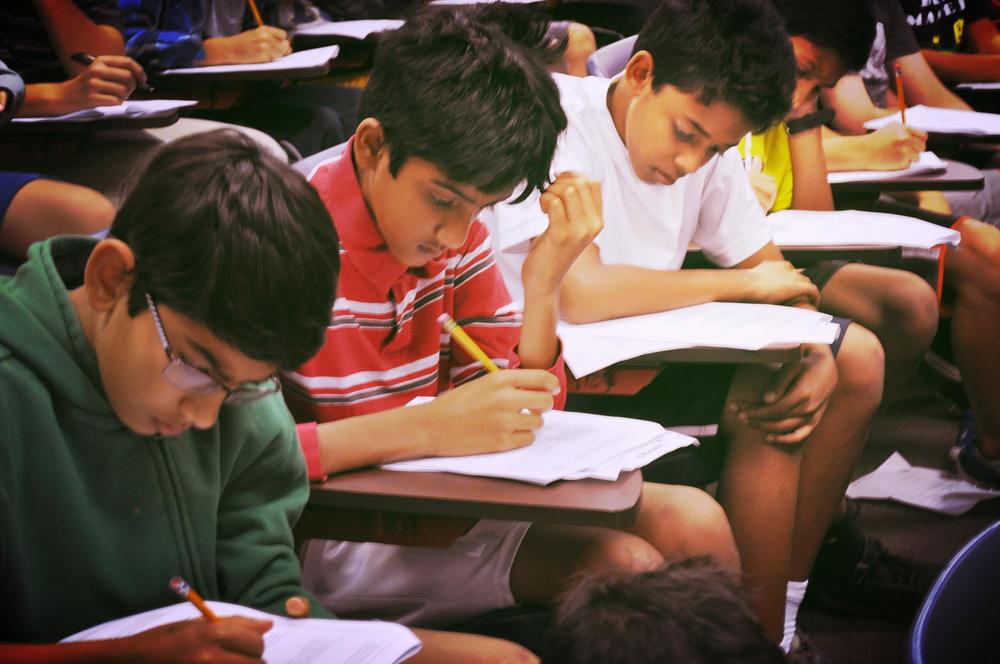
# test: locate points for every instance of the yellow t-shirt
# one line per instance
(771, 148)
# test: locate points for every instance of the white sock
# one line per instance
(794, 595)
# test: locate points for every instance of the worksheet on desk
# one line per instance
(810, 228)
(314, 57)
(944, 121)
(928, 162)
(137, 108)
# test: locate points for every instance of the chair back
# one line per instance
(610, 60)
(959, 620)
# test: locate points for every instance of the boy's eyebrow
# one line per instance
(212, 360)
(698, 127)
(454, 189)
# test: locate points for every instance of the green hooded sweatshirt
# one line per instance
(95, 519)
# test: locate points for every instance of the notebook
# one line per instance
(944, 121)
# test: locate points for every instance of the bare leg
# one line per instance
(898, 306)
(456, 648)
(44, 208)
(974, 271)
(675, 522)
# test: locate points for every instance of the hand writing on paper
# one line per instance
(895, 146)
(779, 282)
(573, 204)
(262, 44)
(228, 641)
(107, 81)
(495, 413)
(3, 100)
(764, 186)
(795, 401)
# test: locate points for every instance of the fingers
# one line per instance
(3, 100)
(297, 606)
(573, 201)
(530, 379)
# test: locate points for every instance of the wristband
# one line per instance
(809, 121)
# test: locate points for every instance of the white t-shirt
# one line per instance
(645, 225)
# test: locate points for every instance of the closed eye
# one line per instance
(443, 203)
(683, 135)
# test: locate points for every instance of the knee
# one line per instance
(861, 366)
(694, 521)
(911, 311)
(630, 553)
(81, 210)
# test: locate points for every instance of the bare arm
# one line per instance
(984, 37)
(964, 67)
(72, 31)
(594, 291)
(849, 98)
(892, 147)
(922, 86)
(810, 190)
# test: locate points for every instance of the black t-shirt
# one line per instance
(941, 24)
(25, 45)
(893, 39)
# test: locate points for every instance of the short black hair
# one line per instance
(734, 51)
(235, 240)
(461, 94)
(846, 27)
(691, 611)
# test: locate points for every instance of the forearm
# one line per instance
(41, 99)
(963, 67)
(844, 153)
(615, 291)
(538, 345)
(367, 440)
(810, 190)
(71, 31)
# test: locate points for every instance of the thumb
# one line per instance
(297, 607)
(533, 379)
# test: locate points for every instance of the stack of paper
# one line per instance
(128, 109)
(290, 640)
(944, 121)
(314, 57)
(929, 488)
(352, 29)
(569, 446)
(927, 163)
(978, 86)
(594, 346)
(806, 228)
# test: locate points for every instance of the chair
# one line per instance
(610, 60)
(306, 165)
(959, 620)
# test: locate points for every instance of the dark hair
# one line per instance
(692, 612)
(846, 27)
(236, 241)
(462, 95)
(734, 51)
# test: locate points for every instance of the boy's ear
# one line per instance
(108, 275)
(639, 71)
(369, 142)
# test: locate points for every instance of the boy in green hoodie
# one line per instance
(141, 433)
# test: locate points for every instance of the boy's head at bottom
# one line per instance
(457, 116)
(691, 611)
(219, 269)
(703, 73)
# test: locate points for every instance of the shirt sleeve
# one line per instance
(899, 38)
(731, 225)
(102, 12)
(161, 34)
(486, 312)
(264, 492)
(12, 83)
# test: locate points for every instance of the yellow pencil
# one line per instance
(899, 94)
(466, 342)
(181, 587)
(256, 13)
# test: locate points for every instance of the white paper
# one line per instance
(978, 86)
(928, 488)
(356, 29)
(289, 641)
(593, 346)
(567, 446)
(139, 108)
(944, 121)
(314, 57)
(807, 228)
(927, 163)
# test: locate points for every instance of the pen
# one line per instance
(466, 342)
(87, 60)
(256, 13)
(747, 157)
(181, 587)
(900, 97)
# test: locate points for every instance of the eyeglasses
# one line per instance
(197, 381)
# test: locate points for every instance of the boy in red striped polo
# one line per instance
(457, 118)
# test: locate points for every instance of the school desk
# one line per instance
(863, 194)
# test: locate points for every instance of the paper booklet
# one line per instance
(944, 121)
(353, 29)
(568, 446)
(314, 57)
(139, 108)
(290, 640)
(593, 346)
(927, 163)
(808, 228)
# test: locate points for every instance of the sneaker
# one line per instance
(855, 577)
(804, 651)
(970, 462)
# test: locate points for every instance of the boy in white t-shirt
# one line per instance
(657, 140)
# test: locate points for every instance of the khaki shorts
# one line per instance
(414, 585)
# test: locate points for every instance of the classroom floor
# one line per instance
(921, 425)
